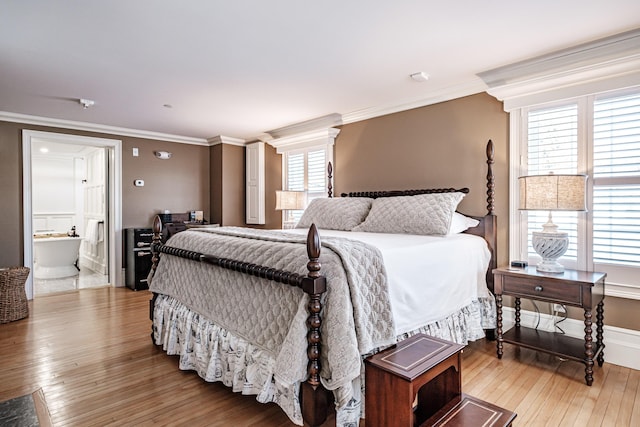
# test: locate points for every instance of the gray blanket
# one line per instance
(356, 314)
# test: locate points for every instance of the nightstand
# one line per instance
(574, 288)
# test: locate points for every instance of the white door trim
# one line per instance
(114, 197)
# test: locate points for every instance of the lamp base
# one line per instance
(550, 247)
(550, 266)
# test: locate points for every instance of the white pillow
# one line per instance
(460, 223)
(425, 214)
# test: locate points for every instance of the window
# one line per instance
(306, 170)
(598, 135)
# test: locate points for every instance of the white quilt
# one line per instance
(423, 270)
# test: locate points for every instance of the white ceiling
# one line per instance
(241, 68)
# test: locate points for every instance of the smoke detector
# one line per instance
(86, 103)
(420, 76)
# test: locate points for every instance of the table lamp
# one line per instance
(290, 201)
(552, 193)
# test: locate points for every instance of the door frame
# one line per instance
(114, 197)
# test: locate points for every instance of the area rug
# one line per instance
(29, 410)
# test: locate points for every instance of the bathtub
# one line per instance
(55, 257)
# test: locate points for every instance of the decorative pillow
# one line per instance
(460, 223)
(428, 214)
(341, 213)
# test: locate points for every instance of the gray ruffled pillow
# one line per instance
(335, 214)
(425, 214)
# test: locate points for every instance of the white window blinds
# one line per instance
(295, 172)
(316, 174)
(553, 148)
(616, 180)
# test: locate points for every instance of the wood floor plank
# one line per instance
(90, 354)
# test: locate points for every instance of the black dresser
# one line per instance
(137, 247)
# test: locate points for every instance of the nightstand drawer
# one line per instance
(542, 290)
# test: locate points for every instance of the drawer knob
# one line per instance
(538, 288)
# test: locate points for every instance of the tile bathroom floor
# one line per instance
(85, 279)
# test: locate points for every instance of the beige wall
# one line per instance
(441, 145)
(179, 184)
(273, 182)
(233, 186)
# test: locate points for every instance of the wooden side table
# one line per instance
(574, 288)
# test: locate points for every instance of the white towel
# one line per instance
(92, 232)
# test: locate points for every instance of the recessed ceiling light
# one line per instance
(44, 150)
(420, 76)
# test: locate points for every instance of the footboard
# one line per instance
(313, 396)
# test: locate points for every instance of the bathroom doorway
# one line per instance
(72, 213)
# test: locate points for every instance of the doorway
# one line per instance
(96, 213)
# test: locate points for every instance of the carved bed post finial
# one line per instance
(330, 175)
(313, 251)
(491, 180)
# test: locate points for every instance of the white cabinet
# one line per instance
(255, 183)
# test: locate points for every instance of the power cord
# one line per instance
(537, 312)
(556, 318)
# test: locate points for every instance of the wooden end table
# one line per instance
(572, 287)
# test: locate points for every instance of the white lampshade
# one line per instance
(290, 200)
(553, 192)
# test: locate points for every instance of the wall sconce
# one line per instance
(163, 155)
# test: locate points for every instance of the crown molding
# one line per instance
(322, 122)
(93, 127)
(304, 140)
(470, 87)
(221, 139)
(606, 64)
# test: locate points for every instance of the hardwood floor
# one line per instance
(91, 354)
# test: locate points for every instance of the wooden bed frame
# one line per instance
(315, 400)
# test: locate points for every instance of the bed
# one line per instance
(289, 316)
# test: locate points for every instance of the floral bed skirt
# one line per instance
(217, 355)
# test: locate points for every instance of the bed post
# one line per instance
(491, 185)
(490, 218)
(491, 224)
(329, 175)
(313, 395)
(155, 257)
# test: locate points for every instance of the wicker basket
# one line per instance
(13, 298)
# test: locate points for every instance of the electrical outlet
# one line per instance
(559, 308)
(135, 152)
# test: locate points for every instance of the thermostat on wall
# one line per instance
(138, 183)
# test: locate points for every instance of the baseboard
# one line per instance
(622, 346)
(98, 266)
